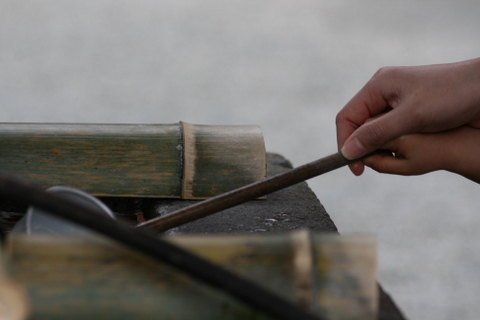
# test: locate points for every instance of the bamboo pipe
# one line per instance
(248, 192)
(181, 160)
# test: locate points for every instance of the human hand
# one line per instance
(456, 150)
(417, 99)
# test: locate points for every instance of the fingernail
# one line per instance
(353, 149)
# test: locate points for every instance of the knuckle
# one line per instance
(387, 72)
(419, 117)
(340, 118)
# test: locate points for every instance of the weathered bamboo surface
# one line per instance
(212, 153)
(143, 160)
(92, 278)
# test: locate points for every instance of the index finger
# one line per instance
(369, 102)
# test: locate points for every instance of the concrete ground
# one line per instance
(288, 66)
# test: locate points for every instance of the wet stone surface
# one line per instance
(285, 210)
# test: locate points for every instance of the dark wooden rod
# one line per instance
(248, 192)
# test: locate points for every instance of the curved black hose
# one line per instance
(159, 249)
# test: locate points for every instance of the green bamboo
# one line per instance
(142, 160)
(92, 278)
(215, 152)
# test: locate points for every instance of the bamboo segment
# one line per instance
(347, 269)
(92, 278)
(210, 151)
(142, 160)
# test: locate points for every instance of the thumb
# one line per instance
(374, 134)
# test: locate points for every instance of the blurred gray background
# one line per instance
(288, 66)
